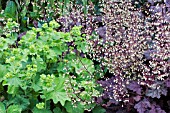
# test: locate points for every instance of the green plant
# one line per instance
(44, 73)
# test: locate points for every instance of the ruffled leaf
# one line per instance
(156, 92)
(142, 106)
(134, 86)
(59, 94)
(156, 109)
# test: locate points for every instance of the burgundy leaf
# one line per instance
(156, 91)
(142, 106)
(112, 102)
(137, 98)
(167, 2)
(21, 34)
(168, 83)
(134, 86)
(156, 109)
(35, 23)
(102, 32)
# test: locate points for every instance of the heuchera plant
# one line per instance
(129, 46)
(46, 73)
(135, 50)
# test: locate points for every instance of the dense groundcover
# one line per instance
(85, 56)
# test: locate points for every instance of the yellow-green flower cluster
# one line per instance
(47, 80)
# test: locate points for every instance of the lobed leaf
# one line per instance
(2, 108)
(59, 94)
(14, 109)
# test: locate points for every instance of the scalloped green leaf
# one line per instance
(14, 109)
(59, 94)
(78, 109)
(2, 108)
(98, 109)
(57, 110)
(12, 90)
(3, 71)
(84, 64)
(36, 110)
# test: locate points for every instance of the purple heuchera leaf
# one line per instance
(167, 18)
(156, 109)
(21, 34)
(121, 111)
(142, 106)
(156, 9)
(99, 100)
(112, 101)
(167, 2)
(168, 83)
(137, 98)
(153, 1)
(97, 19)
(148, 53)
(19, 37)
(134, 86)
(156, 91)
(102, 31)
(35, 23)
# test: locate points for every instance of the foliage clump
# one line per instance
(53, 67)
(135, 50)
(45, 70)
